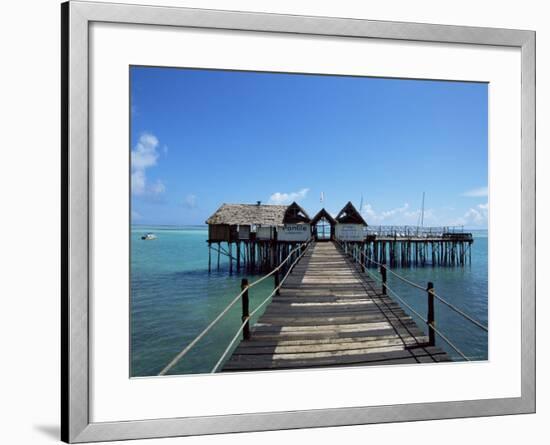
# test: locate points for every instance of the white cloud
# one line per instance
(135, 215)
(190, 201)
(368, 211)
(287, 198)
(145, 152)
(157, 188)
(145, 155)
(474, 216)
(397, 216)
(479, 192)
(138, 182)
(399, 210)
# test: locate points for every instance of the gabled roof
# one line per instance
(295, 214)
(248, 214)
(323, 214)
(350, 215)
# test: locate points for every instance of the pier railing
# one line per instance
(285, 267)
(359, 257)
(413, 231)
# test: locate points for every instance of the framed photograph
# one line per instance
(276, 222)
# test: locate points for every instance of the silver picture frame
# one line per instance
(75, 362)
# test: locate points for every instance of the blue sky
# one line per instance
(200, 138)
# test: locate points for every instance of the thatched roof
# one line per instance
(249, 214)
(295, 214)
(323, 214)
(350, 215)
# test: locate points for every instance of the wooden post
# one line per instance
(209, 257)
(253, 256)
(274, 260)
(238, 255)
(431, 314)
(230, 250)
(383, 271)
(276, 277)
(246, 329)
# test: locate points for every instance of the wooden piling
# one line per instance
(230, 256)
(431, 314)
(238, 256)
(276, 282)
(245, 309)
(209, 257)
(384, 273)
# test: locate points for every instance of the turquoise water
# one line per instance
(465, 287)
(173, 298)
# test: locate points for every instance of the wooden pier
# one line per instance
(328, 313)
(411, 246)
(255, 238)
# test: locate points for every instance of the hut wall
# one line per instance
(294, 232)
(264, 233)
(244, 232)
(350, 232)
(219, 232)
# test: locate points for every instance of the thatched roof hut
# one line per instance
(233, 221)
(295, 214)
(350, 215)
(323, 214)
(248, 214)
(350, 225)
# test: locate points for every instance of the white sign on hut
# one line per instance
(296, 225)
(350, 224)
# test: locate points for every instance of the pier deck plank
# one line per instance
(330, 314)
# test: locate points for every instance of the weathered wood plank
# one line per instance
(362, 345)
(329, 314)
(243, 362)
(277, 335)
(259, 343)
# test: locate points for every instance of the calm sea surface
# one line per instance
(173, 298)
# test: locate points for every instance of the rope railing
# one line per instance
(244, 291)
(418, 286)
(430, 322)
(249, 317)
(185, 350)
(458, 311)
(431, 325)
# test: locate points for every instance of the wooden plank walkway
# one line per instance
(330, 314)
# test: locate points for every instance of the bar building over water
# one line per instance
(256, 237)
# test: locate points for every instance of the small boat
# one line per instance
(149, 236)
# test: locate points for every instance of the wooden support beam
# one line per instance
(431, 314)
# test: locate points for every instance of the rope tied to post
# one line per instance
(245, 286)
(432, 296)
